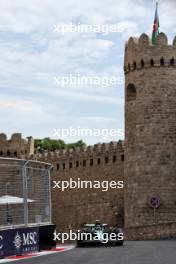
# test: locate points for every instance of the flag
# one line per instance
(155, 26)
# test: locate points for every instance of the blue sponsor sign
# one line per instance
(19, 241)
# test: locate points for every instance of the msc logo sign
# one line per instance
(25, 240)
(17, 241)
(29, 239)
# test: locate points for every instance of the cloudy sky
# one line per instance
(33, 54)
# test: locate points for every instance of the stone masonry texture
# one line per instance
(74, 207)
(150, 131)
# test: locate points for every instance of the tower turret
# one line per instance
(150, 137)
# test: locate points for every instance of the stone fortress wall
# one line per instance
(74, 207)
(150, 131)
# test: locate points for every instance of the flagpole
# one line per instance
(155, 32)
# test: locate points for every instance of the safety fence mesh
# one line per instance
(24, 193)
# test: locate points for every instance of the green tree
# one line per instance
(53, 144)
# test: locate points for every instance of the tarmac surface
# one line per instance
(133, 252)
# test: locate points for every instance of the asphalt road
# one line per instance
(133, 252)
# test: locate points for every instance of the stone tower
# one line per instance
(150, 136)
(16, 146)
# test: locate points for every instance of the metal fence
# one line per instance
(25, 195)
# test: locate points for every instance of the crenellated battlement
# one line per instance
(16, 146)
(82, 157)
(141, 53)
(97, 149)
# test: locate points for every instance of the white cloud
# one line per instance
(16, 110)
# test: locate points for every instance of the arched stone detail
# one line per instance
(144, 40)
(142, 63)
(16, 137)
(162, 39)
(131, 92)
(152, 63)
(3, 137)
(162, 62)
(134, 65)
(132, 42)
(172, 62)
